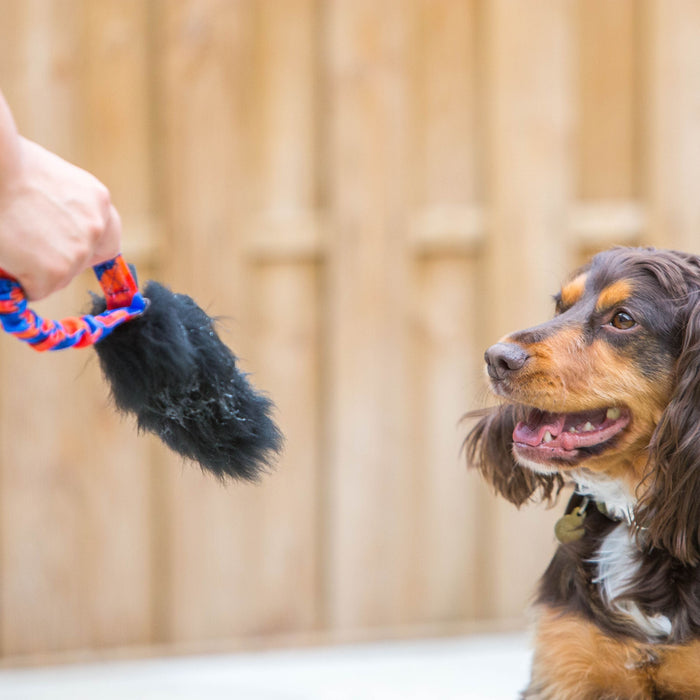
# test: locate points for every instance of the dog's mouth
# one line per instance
(568, 437)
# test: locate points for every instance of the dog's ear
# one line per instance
(489, 448)
(668, 512)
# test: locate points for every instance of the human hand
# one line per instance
(55, 219)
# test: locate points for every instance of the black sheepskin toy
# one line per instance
(170, 368)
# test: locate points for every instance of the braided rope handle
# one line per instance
(124, 302)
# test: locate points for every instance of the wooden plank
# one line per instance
(11, 55)
(446, 578)
(369, 475)
(119, 133)
(41, 559)
(446, 63)
(292, 532)
(609, 162)
(292, 235)
(529, 119)
(447, 232)
(241, 560)
(672, 80)
(116, 147)
(74, 485)
(608, 222)
(205, 553)
(39, 602)
(286, 305)
(599, 225)
(42, 38)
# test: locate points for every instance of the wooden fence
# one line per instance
(369, 193)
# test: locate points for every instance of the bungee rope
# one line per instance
(170, 370)
(124, 303)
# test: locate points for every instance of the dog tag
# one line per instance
(569, 528)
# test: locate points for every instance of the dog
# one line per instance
(605, 396)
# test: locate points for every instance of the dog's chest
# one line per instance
(617, 564)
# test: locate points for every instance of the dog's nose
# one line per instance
(504, 358)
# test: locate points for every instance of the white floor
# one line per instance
(467, 668)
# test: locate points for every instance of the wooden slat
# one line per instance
(75, 550)
(529, 121)
(609, 159)
(598, 225)
(286, 236)
(446, 579)
(446, 234)
(44, 41)
(607, 223)
(241, 560)
(368, 510)
(445, 82)
(118, 135)
(448, 230)
(210, 589)
(116, 146)
(672, 78)
(286, 308)
(288, 564)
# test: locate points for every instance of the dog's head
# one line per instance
(607, 391)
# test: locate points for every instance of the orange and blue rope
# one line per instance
(124, 303)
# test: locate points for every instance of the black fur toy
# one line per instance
(172, 371)
(166, 364)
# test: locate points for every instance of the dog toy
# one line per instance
(165, 364)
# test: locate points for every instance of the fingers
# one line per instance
(50, 269)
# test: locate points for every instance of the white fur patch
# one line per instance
(618, 501)
(617, 565)
(602, 489)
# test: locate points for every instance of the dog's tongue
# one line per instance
(569, 431)
(531, 432)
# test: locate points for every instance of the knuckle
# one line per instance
(115, 220)
(83, 246)
(103, 203)
(103, 197)
(94, 228)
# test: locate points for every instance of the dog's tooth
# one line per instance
(612, 413)
(572, 429)
(547, 437)
(588, 427)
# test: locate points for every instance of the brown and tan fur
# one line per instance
(626, 336)
(574, 659)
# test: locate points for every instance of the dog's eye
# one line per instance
(622, 321)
